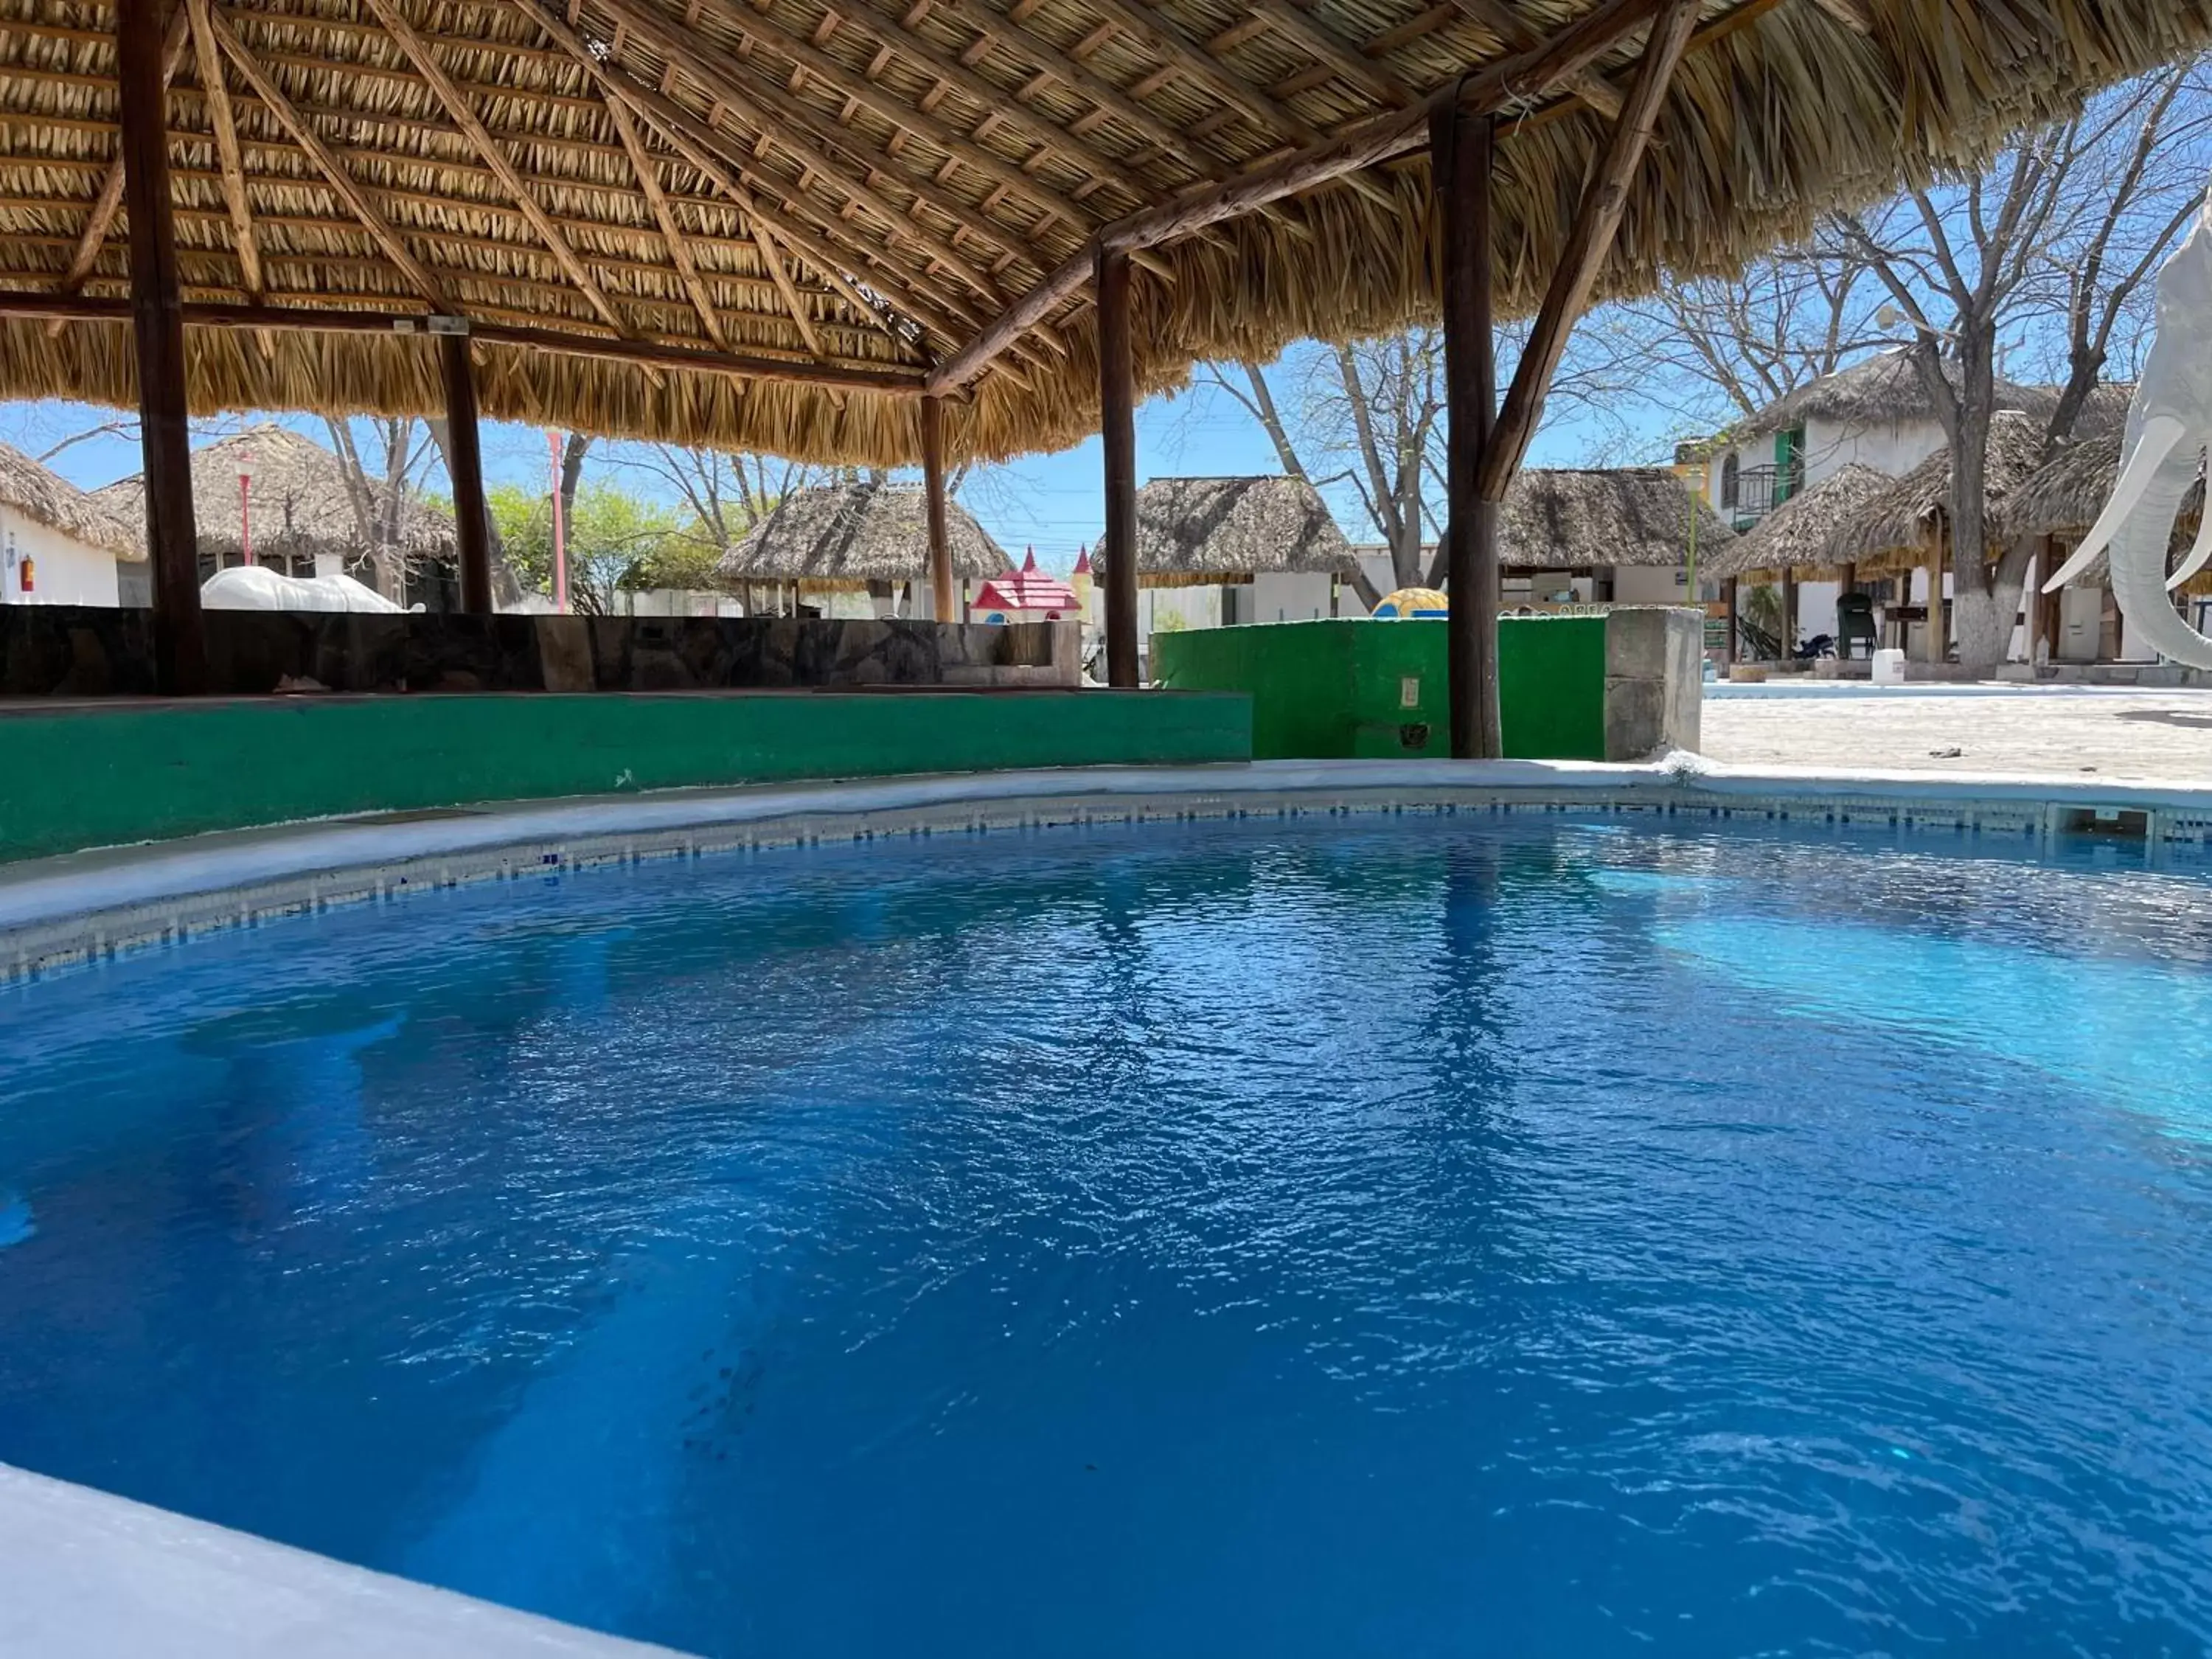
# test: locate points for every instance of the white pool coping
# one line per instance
(64, 911)
(84, 1573)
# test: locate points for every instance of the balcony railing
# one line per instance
(1761, 489)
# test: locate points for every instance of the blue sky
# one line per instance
(1052, 502)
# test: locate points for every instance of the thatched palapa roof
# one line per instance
(1574, 518)
(655, 214)
(1199, 530)
(45, 496)
(848, 535)
(299, 499)
(1795, 536)
(1883, 390)
(1904, 524)
(2063, 498)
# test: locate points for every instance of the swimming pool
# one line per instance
(1516, 1234)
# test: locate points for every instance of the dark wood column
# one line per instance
(1789, 612)
(945, 601)
(157, 327)
(464, 459)
(1117, 425)
(1727, 605)
(1459, 153)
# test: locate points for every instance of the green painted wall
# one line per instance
(1331, 689)
(1551, 687)
(1336, 690)
(89, 776)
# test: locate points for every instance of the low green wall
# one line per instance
(88, 775)
(1355, 689)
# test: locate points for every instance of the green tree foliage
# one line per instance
(616, 539)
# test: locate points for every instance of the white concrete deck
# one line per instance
(2061, 731)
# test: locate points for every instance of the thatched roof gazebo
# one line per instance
(45, 497)
(1586, 517)
(841, 538)
(1907, 525)
(301, 504)
(1795, 537)
(1198, 531)
(865, 236)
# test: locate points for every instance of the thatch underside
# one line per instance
(47, 498)
(849, 535)
(1224, 528)
(301, 504)
(1907, 524)
(867, 187)
(1797, 535)
(1583, 519)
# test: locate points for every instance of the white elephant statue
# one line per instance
(2169, 424)
(257, 588)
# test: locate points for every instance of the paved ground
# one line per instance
(2072, 732)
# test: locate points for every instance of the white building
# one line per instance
(1876, 413)
(60, 546)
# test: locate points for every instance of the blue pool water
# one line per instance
(1365, 1236)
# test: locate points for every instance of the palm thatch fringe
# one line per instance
(843, 536)
(47, 498)
(1780, 112)
(300, 503)
(1886, 389)
(1795, 536)
(1581, 519)
(1194, 530)
(2063, 498)
(1903, 526)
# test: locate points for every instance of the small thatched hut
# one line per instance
(62, 546)
(853, 538)
(1595, 518)
(306, 515)
(1908, 525)
(1200, 532)
(1795, 537)
(2060, 500)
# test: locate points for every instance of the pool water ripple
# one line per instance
(1437, 1237)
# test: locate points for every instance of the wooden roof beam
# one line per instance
(887, 106)
(1521, 77)
(884, 382)
(1287, 20)
(327, 163)
(1168, 40)
(109, 202)
(209, 58)
(480, 139)
(1516, 33)
(764, 240)
(725, 79)
(1589, 241)
(671, 234)
(1006, 106)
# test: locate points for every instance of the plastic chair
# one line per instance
(1854, 621)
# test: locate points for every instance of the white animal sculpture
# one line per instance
(257, 588)
(2168, 423)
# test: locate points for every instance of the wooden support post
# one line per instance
(465, 457)
(1938, 637)
(157, 322)
(943, 600)
(1460, 149)
(2032, 593)
(1789, 614)
(1728, 603)
(1117, 415)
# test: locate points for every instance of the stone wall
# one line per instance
(86, 651)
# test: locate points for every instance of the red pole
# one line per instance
(560, 529)
(246, 515)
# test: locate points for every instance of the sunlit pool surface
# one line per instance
(1515, 1235)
